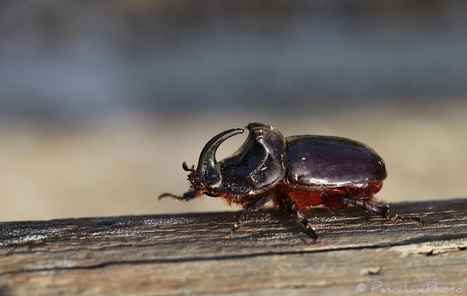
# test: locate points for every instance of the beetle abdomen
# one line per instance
(325, 161)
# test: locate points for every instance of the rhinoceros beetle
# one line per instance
(295, 172)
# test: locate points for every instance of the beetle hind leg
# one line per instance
(377, 207)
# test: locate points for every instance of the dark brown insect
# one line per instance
(295, 172)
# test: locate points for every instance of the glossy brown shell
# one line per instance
(325, 161)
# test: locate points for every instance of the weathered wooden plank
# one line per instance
(195, 253)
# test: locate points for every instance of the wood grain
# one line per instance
(196, 254)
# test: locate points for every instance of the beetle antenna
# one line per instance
(186, 168)
(166, 194)
(186, 196)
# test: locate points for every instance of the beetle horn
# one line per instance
(208, 168)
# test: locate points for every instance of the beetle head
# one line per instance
(254, 168)
(207, 176)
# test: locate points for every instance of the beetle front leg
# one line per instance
(247, 211)
(376, 207)
(292, 207)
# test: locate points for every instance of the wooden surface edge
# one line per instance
(195, 253)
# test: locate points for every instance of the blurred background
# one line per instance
(101, 101)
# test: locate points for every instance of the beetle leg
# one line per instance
(292, 207)
(247, 211)
(368, 204)
(376, 207)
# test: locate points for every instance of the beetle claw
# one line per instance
(235, 227)
(398, 217)
(311, 233)
(292, 208)
(315, 241)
